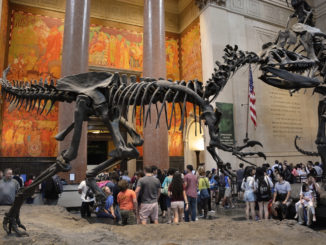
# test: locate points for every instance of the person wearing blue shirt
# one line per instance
(107, 211)
(213, 185)
(126, 177)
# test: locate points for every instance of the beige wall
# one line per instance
(250, 24)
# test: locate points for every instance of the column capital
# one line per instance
(202, 3)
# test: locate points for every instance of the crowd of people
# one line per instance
(11, 181)
(269, 189)
(188, 195)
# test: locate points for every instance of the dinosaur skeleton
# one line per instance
(109, 97)
(296, 60)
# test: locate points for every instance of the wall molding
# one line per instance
(123, 11)
(274, 12)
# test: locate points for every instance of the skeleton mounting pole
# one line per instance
(245, 140)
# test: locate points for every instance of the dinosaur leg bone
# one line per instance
(81, 110)
(111, 119)
(11, 220)
(136, 138)
(61, 136)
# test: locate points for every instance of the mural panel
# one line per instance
(34, 52)
(115, 48)
(191, 60)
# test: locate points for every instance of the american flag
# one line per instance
(252, 98)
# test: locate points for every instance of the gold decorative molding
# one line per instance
(123, 11)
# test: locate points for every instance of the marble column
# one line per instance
(155, 150)
(75, 60)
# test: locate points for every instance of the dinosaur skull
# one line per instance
(287, 69)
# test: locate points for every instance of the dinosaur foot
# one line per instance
(13, 224)
(252, 143)
(137, 140)
(128, 151)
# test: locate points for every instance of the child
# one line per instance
(306, 199)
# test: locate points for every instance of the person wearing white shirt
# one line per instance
(248, 186)
(87, 198)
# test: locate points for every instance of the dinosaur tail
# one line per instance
(308, 153)
(34, 94)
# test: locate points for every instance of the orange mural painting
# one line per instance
(191, 61)
(115, 48)
(172, 58)
(34, 53)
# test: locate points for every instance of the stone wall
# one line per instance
(249, 24)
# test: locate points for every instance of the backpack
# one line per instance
(221, 180)
(165, 188)
(58, 187)
(264, 190)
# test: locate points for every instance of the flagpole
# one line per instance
(245, 140)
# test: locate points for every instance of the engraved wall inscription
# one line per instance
(286, 114)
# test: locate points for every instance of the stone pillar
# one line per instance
(75, 60)
(156, 150)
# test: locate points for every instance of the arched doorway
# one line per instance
(193, 143)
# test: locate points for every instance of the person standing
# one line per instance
(213, 186)
(178, 197)
(1, 174)
(126, 177)
(165, 187)
(191, 182)
(203, 187)
(263, 185)
(17, 177)
(240, 176)
(87, 198)
(162, 199)
(29, 181)
(50, 190)
(248, 185)
(8, 188)
(150, 188)
(227, 199)
(115, 189)
(127, 201)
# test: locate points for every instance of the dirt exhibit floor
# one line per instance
(54, 225)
